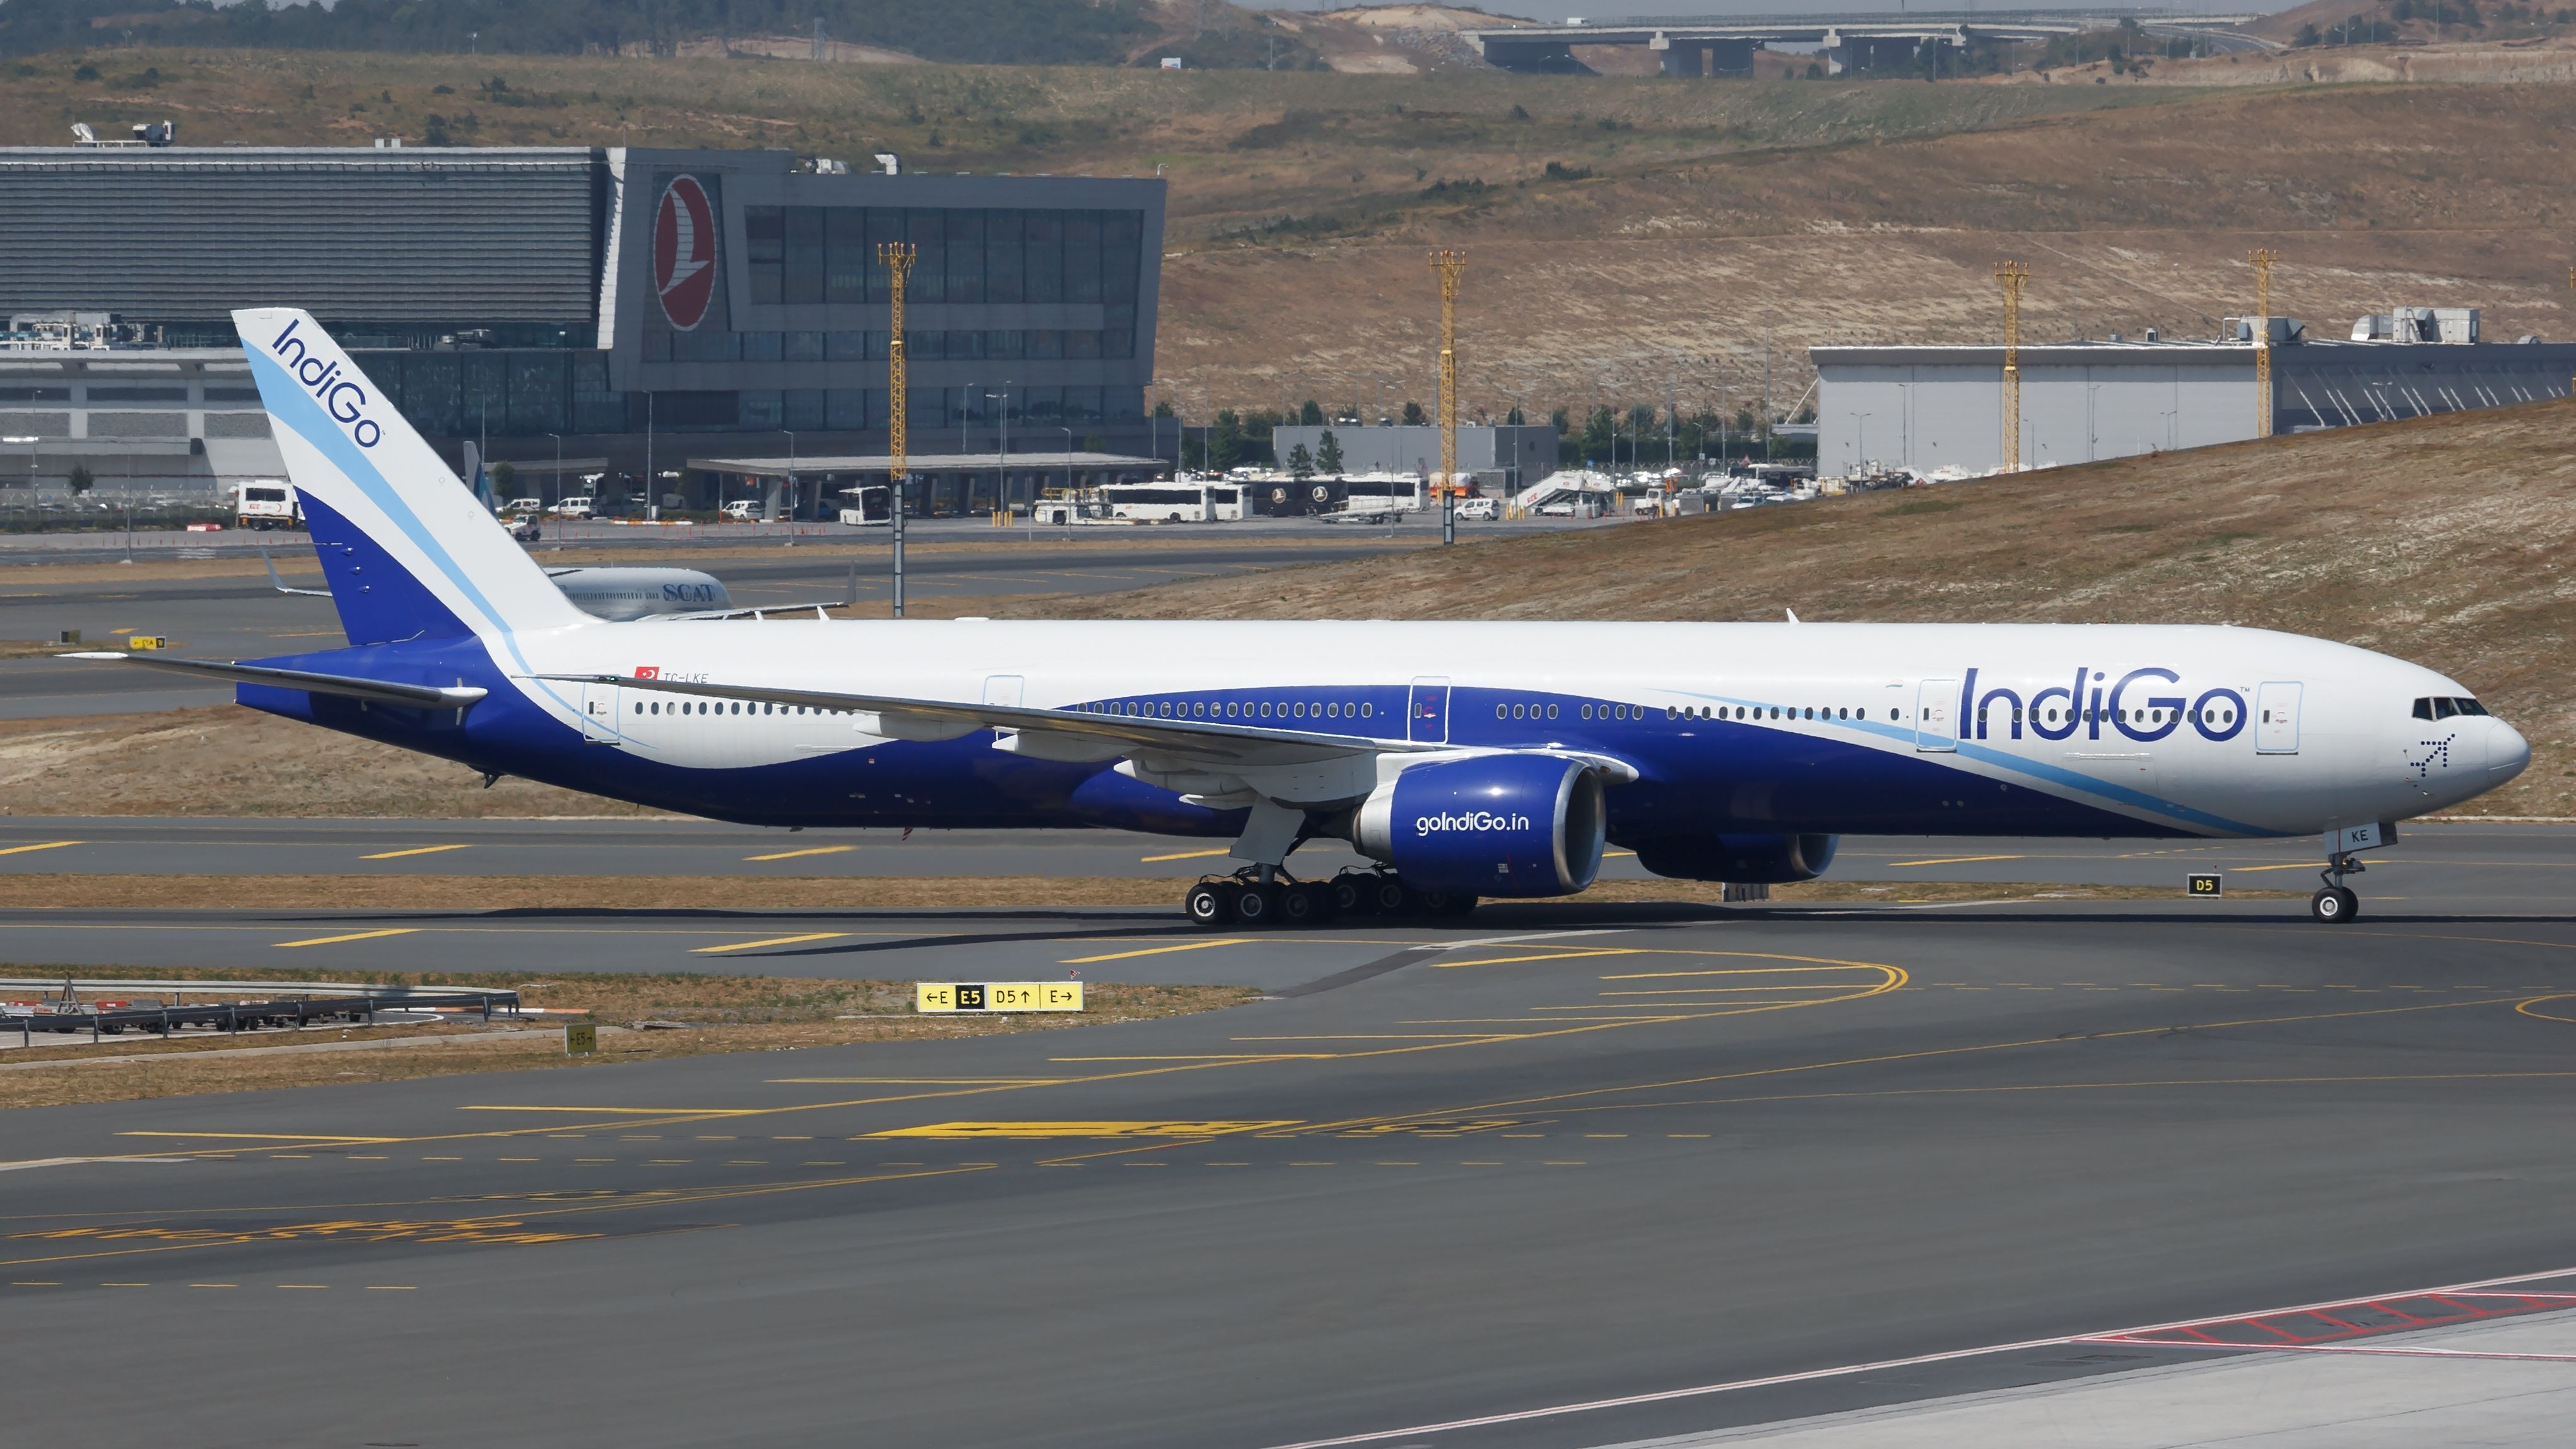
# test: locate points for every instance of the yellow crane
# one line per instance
(1449, 264)
(2011, 276)
(2263, 258)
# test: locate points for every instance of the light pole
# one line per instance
(1068, 459)
(1002, 443)
(793, 496)
(30, 441)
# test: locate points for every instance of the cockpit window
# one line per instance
(2437, 707)
(2470, 706)
(2444, 709)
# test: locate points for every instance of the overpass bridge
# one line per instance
(1705, 46)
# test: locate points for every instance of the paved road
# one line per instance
(232, 618)
(1675, 1150)
(2490, 868)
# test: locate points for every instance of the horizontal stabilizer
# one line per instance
(380, 691)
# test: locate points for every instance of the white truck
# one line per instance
(266, 503)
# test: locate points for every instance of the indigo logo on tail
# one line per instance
(340, 395)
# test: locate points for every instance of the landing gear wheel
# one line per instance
(1387, 896)
(2334, 905)
(1209, 903)
(1350, 895)
(1257, 905)
(1296, 906)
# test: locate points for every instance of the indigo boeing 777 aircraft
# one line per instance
(1469, 760)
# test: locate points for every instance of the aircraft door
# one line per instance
(599, 706)
(1936, 717)
(1427, 715)
(2276, 718)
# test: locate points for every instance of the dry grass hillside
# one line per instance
(1684, 224)
(2444, 540)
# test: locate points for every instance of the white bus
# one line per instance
(1193, 501)
(1376, 493)
(266, 503)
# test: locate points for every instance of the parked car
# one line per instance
(578, 507)
(1477, 510)
(742, 510)
(523, 505)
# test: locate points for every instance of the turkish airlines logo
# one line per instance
(684, 252)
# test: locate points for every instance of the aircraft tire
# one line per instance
(1296, 906)
(1351, 896)
(1209, 903)
(2334, 905)
(1257, 906)
(1388, 896)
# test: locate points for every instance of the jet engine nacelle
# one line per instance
(1495, 825)
(1741, 859)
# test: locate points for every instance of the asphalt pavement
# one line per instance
(1585, 1179)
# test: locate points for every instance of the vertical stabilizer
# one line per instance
(409, 553)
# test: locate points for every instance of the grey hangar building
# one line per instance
(571, 310)
(1927, 408)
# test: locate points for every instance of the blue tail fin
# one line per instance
(409, 553)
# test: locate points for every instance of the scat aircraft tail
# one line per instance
(408, 552)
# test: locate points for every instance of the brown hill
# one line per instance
(1684, 223)
(2441, 540)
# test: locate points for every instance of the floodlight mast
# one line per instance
(1450, 265)
(2011, 275)
(2263, 258)
(898, 258)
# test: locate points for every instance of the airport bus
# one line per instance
(1190, 501)
(1374, 493)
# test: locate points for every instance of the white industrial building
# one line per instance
(1931, 408)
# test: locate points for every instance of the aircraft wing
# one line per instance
(379, 691)
(1060, 733)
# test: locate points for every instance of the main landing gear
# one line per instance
(1246, 898)
(2336, 903)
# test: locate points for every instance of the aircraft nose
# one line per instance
(2508, 753)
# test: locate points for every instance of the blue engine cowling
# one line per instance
(1739, 859)
(1496, 825)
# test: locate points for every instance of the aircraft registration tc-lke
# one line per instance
(1466, 760)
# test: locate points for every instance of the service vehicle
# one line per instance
(266, 503)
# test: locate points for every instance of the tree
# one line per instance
(1300, 462)
(1312, 414)
(1513, 418)
(1413, 417)
(1328, 454)
(505, 481)
(1225, 445)
(81, 479)
(1163, 409)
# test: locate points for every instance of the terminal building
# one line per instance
(610, 308)
(1933, 408)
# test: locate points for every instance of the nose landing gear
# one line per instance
(2335, 903)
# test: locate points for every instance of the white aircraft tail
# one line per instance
(408, 551)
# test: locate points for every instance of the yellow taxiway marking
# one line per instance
(772, 941)
(1183, 855)
(1082, 1129)
(627, 1111)
(47, 845)
(792, 854)
(353, 936)
(1550, 956)
(2294, 865)
(1157, 951)
(419, 850)
(1957, 859)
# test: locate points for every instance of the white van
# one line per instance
(572, 508)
